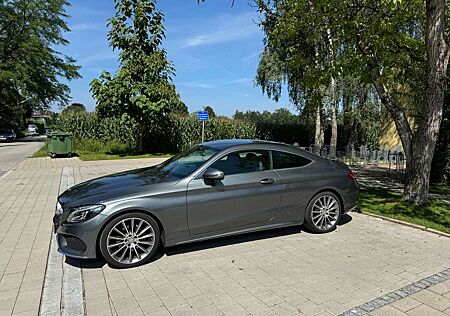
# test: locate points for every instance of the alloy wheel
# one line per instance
(130, 240)
(325, 212)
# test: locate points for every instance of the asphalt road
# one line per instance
(13, 153)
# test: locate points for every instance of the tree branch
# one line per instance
(397, 112)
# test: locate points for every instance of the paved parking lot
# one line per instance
(281, 272)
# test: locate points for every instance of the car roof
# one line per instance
(271, 145)
(227, 143)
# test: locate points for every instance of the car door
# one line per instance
(248, 195)
(299, 181)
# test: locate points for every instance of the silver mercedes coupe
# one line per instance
(211, 190)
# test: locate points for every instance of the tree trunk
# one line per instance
(141, 139)
(354, 124)
(419, 146)
(424, 142)
(318, 133)
(333, 142)
(332, 98)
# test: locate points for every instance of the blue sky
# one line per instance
(214, 47)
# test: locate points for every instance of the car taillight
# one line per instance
(351, 175)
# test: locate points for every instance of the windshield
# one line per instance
(185, 163)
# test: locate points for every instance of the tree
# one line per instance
(74, 108)
(30, 65)
(142, 88)
(293, 56)
(210, 111)
(400, 47)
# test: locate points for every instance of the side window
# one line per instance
(243, 162)
(283, 160)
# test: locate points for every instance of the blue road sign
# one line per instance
(202, 115)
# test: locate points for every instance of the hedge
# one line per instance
(174, 133)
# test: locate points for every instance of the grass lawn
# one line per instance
(100, 155)
(440, 189)
(435, 214)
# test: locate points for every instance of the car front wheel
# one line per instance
(130, 240)
(323, 212)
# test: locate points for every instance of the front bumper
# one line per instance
(79, 240)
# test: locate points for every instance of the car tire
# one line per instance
(323, 212)
(122, 241)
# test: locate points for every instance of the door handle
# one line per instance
(267, 181)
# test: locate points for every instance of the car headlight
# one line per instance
(59, 209)
(83, 213)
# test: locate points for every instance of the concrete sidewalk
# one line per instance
(281, 272)
(27, 204)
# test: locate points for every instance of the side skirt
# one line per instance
(197, 238)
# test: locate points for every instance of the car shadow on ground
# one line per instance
(210, 244)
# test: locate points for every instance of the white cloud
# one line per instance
(85, 26)
(98, 57)
(196, 85)
(242, 81)
(225, 28)
(251, 57)
(215, 83)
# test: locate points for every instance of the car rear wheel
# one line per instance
(130, 240)
(323, 212)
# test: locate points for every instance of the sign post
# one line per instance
(203, 116)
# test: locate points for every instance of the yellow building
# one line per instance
(389, 138)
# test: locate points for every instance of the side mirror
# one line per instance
(212, 174)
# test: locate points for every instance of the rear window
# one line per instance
(283, 160)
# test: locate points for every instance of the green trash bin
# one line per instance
(59, 143)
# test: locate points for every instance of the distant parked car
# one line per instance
(32, 130)
(48, 130)
(7, 135)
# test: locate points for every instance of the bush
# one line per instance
(172, 133)
(88, 126)
(91, 145)
(288, 133)
(175, 133)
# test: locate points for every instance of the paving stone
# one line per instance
(387, 311)
(375, 257)
(432, 299)
(209, 310)
(423, 310)
(406, 304)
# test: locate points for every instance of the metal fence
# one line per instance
(394, 159)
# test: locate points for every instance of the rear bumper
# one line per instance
(350, 209)
(350, 197)
(7, 139)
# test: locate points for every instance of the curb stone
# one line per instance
(399, 294)
(63, 285)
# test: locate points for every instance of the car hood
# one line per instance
(116, 186)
